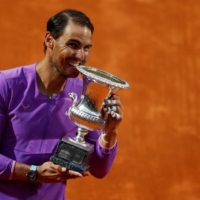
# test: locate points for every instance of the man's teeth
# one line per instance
(74, 64)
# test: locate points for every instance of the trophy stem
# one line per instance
(80, 137)
(81, 134)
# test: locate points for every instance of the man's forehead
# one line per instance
(74, 32)
(77, 28)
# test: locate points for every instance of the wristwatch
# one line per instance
(32, 174)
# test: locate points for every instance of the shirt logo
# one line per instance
(25, 106)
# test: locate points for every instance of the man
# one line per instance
(33, 102)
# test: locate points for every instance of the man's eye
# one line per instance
(73, 46)
(87, 48)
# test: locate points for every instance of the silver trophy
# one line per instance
(75, 153)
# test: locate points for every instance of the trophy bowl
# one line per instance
(75, 153)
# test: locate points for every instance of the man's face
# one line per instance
(71, 49)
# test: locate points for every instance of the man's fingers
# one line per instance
(74, 173)
(116, 115)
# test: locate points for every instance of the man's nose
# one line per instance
(80, 54)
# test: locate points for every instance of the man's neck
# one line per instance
(48, 83)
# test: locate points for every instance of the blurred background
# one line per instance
(154, 45)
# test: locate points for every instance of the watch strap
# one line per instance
(32, 174)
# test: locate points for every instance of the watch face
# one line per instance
(32, 176)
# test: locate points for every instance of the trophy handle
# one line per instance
(73, 96)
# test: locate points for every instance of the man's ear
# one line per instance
(49, 40)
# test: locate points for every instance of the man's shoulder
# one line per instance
(18, 71)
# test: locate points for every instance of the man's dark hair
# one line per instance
(57, 23)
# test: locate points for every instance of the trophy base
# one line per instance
(73, 155)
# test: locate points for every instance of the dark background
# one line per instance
(154, 45)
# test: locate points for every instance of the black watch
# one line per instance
(32, 174)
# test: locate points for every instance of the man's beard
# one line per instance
(57, 72)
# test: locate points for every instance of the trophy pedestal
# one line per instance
(73, 155)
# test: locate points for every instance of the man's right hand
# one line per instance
(50, 172)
